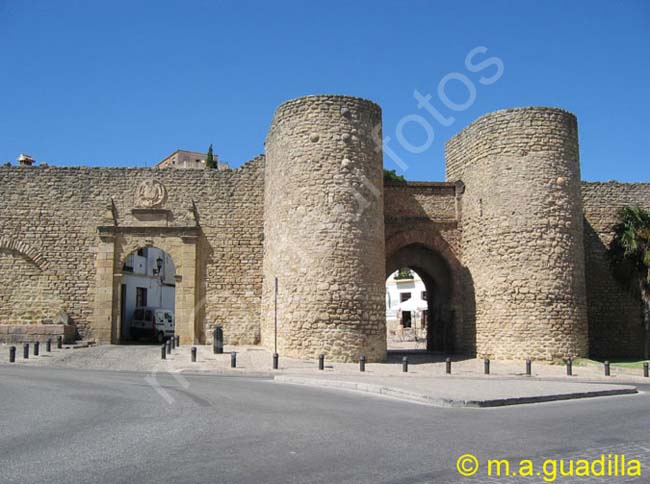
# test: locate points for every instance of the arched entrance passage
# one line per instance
(147, 295)
(181, 243)
(436, 276)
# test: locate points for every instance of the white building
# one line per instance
(148, 279)
(406, 306)
(25, 160)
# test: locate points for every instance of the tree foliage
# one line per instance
(392, 176)
(209, 161)
(404, 273)
(629, 252)
(630, 246)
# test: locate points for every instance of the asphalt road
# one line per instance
(68, 426)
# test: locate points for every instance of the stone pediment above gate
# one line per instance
(150, 206)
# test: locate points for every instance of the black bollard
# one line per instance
(362, 363)
(12, 354)
(448, 366)
(529, 365)
(173, 341)
(486, 366)
(233, 360)
(48, 345)
(37, 347)
(321, 362)
(217, 342)
(59, 342)
(645, 370)
(405, 364)
(569, 367)
(169, 347)
(606, 368)
(276, 361)
(193, 354)
(178, 341)
(163, 352)
(26, 350)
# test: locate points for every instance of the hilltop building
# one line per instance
(188, 160)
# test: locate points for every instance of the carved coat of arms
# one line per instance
(150, 194)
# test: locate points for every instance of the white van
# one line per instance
(150, 322)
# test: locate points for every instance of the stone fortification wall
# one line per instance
(324, 229)
(522, 232)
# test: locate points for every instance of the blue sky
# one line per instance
(127, 82)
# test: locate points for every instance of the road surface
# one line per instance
(65, 426)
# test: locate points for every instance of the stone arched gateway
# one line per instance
(182, 245)
(428, 253)
(148, 224)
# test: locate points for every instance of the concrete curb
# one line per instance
(409, 396)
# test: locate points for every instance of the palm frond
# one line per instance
(629, 250)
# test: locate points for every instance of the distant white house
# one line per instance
(148, 279)
(406, 305)
(25, 160)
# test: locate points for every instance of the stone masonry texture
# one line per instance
(522, 232)
(512, 247)
(615, 317)
(49, 246)
(324, 231)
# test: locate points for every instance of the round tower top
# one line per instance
(319, 99)
(494, 117)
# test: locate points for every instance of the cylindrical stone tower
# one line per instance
(522, 229)
(324, 230)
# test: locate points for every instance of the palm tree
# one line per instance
(630, 253)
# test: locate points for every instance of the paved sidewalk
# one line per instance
(254, 358)
(425, 382)
(463, 392)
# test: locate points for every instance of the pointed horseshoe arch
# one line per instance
(426, 252)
